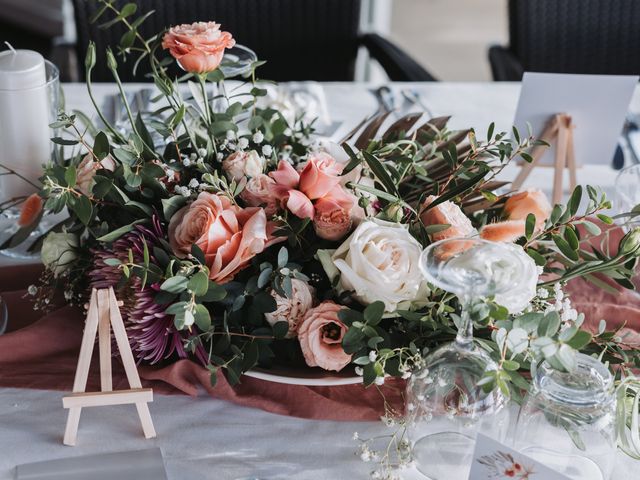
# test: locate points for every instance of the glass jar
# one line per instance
(567, 421)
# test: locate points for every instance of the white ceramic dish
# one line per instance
(311, 377)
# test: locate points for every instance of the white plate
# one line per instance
(310, 377)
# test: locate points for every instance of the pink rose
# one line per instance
(198, 47)
(334, 214)
(86, 171)
(297, 191)
(243, 164)
(292, 310)
(446, 213)
(319, 175)
(228, 235)
(520, 205)
(320, 336)
(257, 193)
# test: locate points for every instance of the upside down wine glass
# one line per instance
(447, 406)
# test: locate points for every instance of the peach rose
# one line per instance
(507, 231)
(319, 175)
(320, 336)
(295, 191)
(292, 310)
(334, 214)
(228, 235)
(446, 213)
(257, 193)
(86, 171)
(198, 47)
(31, 208)
(520, 205)
(243, 164)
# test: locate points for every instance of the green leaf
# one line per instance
(280, 329)
(605, 218)
(64, 141)
(112, 262)
(592, 228)
(172, 205)
(574, 201)
(198, 284)
(571, 238)
(283, 257)
(580, 340)
(353, 340)
(118, 232)
(539, 259)
(128, 10)
(549, 325)
(83, 209)
(565, 248)
(510, 365)
(175, 284)
(101, 145)
(373, 313)
(380, 172)
(530, 225)
(70, 176)
(202, 317)
(215, 293)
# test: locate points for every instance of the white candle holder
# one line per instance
(11, 194)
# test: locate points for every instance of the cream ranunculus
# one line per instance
(58, 252)
(380, 261)
(241, 164)
(525, 276)
(292, 310)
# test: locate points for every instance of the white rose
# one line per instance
(380, 261)
(58, 252)
(525, 281)
(241, 164)
(292, 310)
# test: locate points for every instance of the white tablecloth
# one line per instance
(206, 438)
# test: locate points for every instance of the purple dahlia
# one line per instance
(151, 331)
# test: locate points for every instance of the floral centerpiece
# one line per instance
(237, 239)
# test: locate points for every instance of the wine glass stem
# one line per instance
(464, 338)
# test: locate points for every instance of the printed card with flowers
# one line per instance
(493, 460)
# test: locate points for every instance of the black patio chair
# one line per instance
(299, 39)
(569, 36)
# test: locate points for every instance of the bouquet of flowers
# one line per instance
(236, 238)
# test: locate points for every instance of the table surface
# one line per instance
(206, 438)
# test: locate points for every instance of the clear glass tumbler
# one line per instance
(567, 421)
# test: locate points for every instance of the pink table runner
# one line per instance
(41, 351)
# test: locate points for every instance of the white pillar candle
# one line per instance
(24, 121)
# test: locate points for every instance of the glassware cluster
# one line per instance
(567, 421)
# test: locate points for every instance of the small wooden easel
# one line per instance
(104, 315)
(559, 130)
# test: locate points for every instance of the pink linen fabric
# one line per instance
(41, 351)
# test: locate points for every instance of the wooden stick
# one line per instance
(82, 371)
(98, 399)
(104, 336)
(560, 158)
(129, 364)
(549, 134)
(571, 161)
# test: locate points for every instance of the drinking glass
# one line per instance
(9, 217)
(627, 196)
(448, 407)
(567, 421)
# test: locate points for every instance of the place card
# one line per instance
(494, 461)
(138, 464)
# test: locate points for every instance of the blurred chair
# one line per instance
(569, 36)
(299, 39)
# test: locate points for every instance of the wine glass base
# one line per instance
(444, 456)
